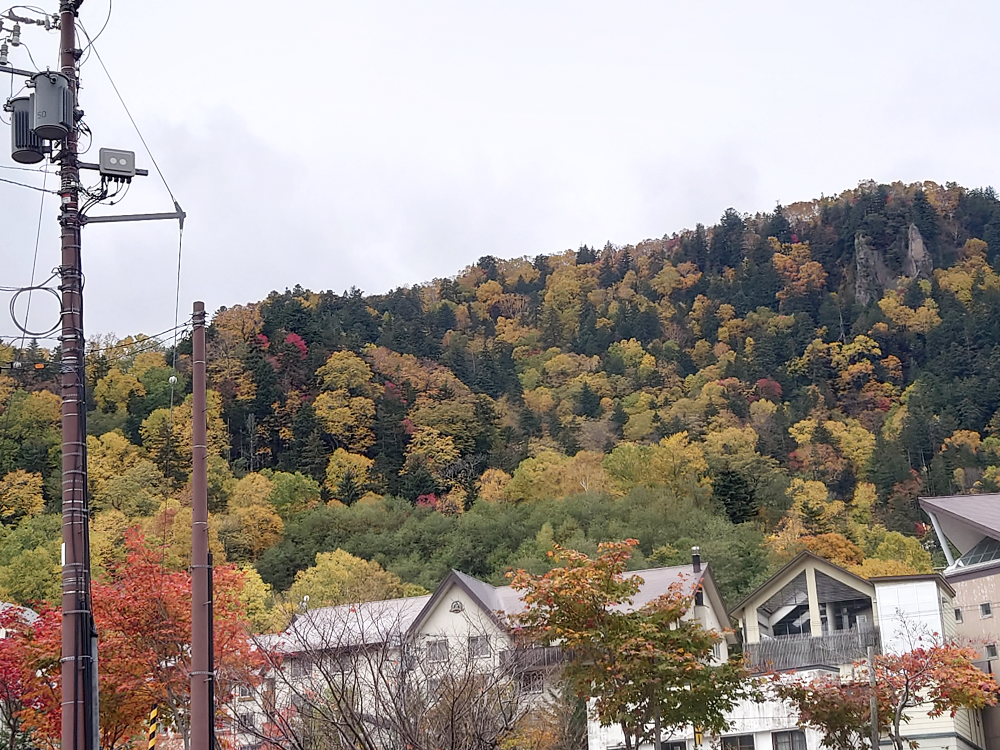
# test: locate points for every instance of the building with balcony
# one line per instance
(968, 529)
(815, 618)
(371, 659)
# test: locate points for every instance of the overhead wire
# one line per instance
(180, 243)
(90, 42)
(24, 333)
(132, 120)
(32, 187)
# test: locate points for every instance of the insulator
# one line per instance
(15, 35)
(3, 53)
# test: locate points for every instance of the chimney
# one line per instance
(699, 597)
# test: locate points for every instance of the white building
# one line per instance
(814, 618)
(420, 643)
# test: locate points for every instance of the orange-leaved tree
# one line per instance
(935, 677)
(143, 614)
(646, 668)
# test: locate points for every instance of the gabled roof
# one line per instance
(498, 601)
(372, 623)
(796, 562)
(966, 519)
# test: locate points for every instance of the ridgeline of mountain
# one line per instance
(787, 380)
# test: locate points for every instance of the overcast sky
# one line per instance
(378, 144)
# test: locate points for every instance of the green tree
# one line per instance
(341, 578)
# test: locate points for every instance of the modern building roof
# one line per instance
(965, 519)
(936, 577)
(795, 562)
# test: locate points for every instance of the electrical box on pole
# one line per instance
(25, 146)
(116, 163)
(53, 106)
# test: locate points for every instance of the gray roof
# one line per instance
(348, 625)
(966, 519)
(27, 615)
(371, 623)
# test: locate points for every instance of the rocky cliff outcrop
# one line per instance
(917, 264)
(872, 276)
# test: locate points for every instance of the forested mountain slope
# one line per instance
(787, 380)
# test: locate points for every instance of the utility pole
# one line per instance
(873, 706)
(47, 123)
(202, 677)
(79, 635)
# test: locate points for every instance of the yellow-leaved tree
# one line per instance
(341, 578)
(20, 496)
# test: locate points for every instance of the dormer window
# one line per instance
(456, 606)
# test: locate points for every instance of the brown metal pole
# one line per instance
(79, 649)
(202, 714)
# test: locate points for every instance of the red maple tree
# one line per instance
(143, 615)
(934, 677)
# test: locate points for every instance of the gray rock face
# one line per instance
(918, 263)
(871, 276)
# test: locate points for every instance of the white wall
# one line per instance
(749, 717)
(910, 608)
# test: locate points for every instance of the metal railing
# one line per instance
(788, 652)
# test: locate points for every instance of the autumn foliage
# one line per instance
(934, 677)
(143, 616)
(640, 665)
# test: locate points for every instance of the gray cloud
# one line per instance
(387, 143)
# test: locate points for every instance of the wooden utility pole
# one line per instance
(873, 706)
(202, 708)
(79, 635)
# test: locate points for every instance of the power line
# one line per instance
(31, 187)
(30, 288)
(132, 119)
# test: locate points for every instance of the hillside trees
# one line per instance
(717, 367)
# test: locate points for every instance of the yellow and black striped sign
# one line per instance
(152, 728)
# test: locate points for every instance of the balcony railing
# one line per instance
(533, 658)
(788, 652)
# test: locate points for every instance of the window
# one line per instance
(673, 746)
(985, 610)
(958, 614)
(437, 650)
(245, 721)
(717, 651)
(456, 606)
(300, 668)
(479, 646)
(991, 651)
(794, 740)
(532, 682)
(244, 691)
(434, 686)
(986, 551)
(738, 742)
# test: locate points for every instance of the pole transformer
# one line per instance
(202, 676)
(79, 635)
